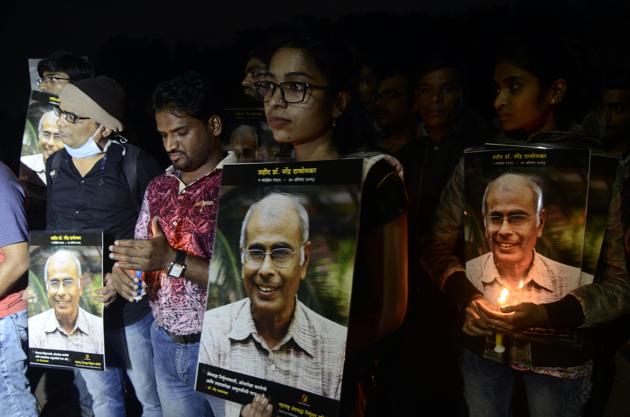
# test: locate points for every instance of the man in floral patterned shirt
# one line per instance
(175, 234)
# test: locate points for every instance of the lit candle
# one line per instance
(498, 338)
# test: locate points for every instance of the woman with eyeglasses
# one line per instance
(310, 105)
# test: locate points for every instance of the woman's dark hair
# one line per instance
(548, 58)
(77, 68)
(191, 94)
(338, 61)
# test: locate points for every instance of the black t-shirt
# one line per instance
(100, 201)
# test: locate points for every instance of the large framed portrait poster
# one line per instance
(534, 225)
(280, 286)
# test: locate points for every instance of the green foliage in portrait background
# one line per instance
(29, 139)
(563, 237)
(92, 277)
(334, 220)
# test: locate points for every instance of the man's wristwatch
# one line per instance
(178, 266)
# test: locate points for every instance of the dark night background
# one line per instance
(140, 43)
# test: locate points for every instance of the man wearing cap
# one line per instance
(175, 236)
(89, 189)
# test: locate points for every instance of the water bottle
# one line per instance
(140, 292)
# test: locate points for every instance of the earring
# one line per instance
(334, 124)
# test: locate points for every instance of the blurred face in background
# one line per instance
(244, 143)
(254, 70)
(439, 97)
(615, 109)
(392, 104)
(367, 86)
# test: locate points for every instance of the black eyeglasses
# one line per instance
(292, 91)
(280, 257)
(70, 117)
(53, 79)
(495, 221)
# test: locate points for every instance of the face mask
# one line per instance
(88, 149)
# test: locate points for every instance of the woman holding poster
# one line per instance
(532, 90)
(309, 103)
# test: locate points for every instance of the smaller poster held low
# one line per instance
(65, 323)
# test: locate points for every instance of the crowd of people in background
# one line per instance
(321, 90)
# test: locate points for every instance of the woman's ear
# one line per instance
(340, 104)
(557, 91)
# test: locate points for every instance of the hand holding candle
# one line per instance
(498, 343)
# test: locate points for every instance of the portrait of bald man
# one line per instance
(271, 334)
(514, 219)
(65, 326)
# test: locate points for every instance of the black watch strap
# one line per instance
(180, 257)
(178, 266)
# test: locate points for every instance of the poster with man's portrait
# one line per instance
(247, 134)
(40, 139)
(65, 320)
(280, 286)
(41, 136)
(526, 221)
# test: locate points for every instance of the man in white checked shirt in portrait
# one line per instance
(514, 219)
(270, 334)
(66, 326)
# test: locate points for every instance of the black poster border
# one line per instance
(66, 359)
(241, 388)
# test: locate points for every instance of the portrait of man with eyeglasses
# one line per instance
(271, 334)
(66, 326)
(514, 220)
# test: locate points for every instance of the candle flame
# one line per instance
(503, 296)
